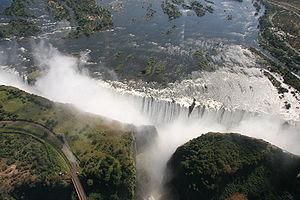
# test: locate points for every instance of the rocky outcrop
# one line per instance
(144, 136)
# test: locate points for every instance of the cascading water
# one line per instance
(175, 127)
(227, 100)
(163, 112)
(177, 123)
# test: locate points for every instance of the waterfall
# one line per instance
(175, 127)
(165, 112)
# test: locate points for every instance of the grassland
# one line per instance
(103, 148)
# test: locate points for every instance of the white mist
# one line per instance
(64, 82)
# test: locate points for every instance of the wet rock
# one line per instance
(192, 106)
(144, 137)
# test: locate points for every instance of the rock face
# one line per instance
(144, 136)
(231, 166)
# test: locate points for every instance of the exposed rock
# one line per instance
(144, 136)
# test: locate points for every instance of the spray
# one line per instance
(65, 82)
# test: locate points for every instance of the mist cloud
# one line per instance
(64, 81)
(11, 78)
(173, 135)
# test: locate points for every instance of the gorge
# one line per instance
(132, 82)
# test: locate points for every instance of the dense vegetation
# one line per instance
(280, 35)
(58, 10)
(30, 169)
(172, 8)
(231, 166)
(104, 149)
(86, 16)
(276, 83)
(19, 28)
(18, 8)
(21, 23)
(288, 77)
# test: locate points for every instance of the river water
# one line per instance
(141, 30)
(232, 94)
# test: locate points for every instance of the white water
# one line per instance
(64, 82)
(175, 129)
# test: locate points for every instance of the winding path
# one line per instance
(271, 18)
(65, 150)
(286, 6)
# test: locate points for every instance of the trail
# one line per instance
(271, 18)
(286, 6)
(65, 150)
(9, 171)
